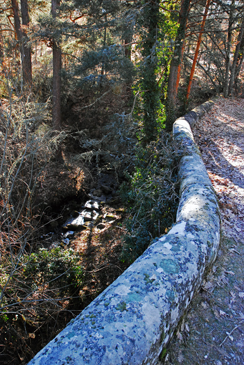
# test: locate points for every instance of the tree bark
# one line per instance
(57, 64)
(197, 49)
(24, 50)
(128, 38)
(18, 32)
(239, 62)
(27, 65)
(175, 63)
(179, 69)
(228, 47)
(235, 60)
(151, 92)
(104, 43)
(239, 59)
(1, 45)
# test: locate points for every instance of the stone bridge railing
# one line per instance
(132, 321)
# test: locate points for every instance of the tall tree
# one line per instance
(1, 44)
(57, 64)
(238, 51)
(228, 48)
(148, 71)
(197, 49)
(175, 64)
(27, 64)
(21, 36)
(239, 61)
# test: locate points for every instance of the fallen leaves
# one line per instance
(220, 136)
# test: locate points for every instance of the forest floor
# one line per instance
(212, 331)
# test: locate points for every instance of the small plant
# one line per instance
(151, 196)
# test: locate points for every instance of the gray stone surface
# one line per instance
(75, 223)
(134, 318)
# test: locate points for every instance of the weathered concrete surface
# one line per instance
(133, 319)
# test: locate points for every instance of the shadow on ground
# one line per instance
(212, 332)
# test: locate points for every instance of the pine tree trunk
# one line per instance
(17, 29)
(128, 38)
(151, 92)
(228, 48)
(176, 60)
(179, 68)
(237, 52)
(104, 43)
(239, 62)
(1, 45)
(239, 59)
(26, 64)
(57, 64)
(24, 50)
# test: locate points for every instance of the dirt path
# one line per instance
(212, 332)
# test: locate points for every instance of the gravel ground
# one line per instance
(212, 331)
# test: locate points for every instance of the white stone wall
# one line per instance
(134, 318)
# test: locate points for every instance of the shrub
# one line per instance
(151, 195)
(27, 292)
(41, 279)
(27, 144)
(33, 294)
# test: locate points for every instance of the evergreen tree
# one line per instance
(27, 64)
(238, 56)
(57, 61)
(175, 64)
(149, 85)
(21, 36)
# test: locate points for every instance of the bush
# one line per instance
(151, 195)
(47, 277)
(27, 144)
(33, 293)
(32, 287)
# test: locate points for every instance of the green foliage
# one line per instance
(149, 86)
(157, 28)
(168, 25)
(115, 150)
(40, 278)
(56, 268)
(37, 291)
(151, 196)
(110, 60)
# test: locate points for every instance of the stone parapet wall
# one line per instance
(132, 321)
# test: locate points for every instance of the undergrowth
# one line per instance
(151, 195)
(44, 279)
(34, 293)
(27, 279)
